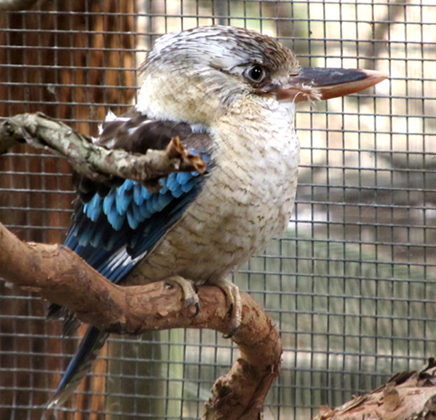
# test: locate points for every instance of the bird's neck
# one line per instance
(257, 148)
(259, 122)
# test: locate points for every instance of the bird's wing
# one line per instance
(115, 226)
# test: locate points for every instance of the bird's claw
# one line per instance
(233, 298)
(197, 310)
(233, 328)
(190, 295)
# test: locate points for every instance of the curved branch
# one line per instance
(59, 275)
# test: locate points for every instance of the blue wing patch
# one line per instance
(113, 233)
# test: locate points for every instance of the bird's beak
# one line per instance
(312, 83)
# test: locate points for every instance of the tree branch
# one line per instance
(96, 162)
(408, 395)
(62, 277)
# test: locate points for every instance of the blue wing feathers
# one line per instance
(186, 187)
(129, 216)
(123, 201)
(93, 208)
(171, 182)
(183, 177)
(140, 194)
(133, 216)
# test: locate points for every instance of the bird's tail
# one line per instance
(79, 366)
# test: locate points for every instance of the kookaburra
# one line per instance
(230, 95)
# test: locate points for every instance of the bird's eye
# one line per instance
(255, 74)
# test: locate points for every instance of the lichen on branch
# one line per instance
(96, 162)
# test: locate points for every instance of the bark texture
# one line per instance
(96, 162)
(409, 395)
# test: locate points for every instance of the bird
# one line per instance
(229, 94)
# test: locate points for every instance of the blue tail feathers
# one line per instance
(80, 365)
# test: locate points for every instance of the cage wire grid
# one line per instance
(350, 282)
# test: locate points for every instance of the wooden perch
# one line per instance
(96, 162)
(61, 276)
(409, 395)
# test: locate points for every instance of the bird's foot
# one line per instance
(233, 298)
(190, 295)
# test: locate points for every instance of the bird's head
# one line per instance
(196, 75)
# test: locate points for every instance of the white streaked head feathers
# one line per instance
(195, 76)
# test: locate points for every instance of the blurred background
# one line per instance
(350, 284)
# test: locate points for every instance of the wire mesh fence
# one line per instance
(350, 284)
